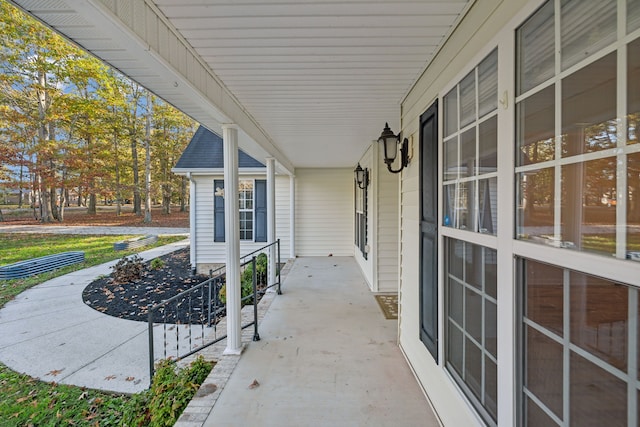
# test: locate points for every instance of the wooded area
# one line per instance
(75, 131)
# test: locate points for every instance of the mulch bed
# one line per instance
(132, 300)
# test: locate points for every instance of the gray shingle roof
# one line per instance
(205, 152)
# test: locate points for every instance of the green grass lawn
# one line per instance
(19, 247)
(606, 243)
(25, 401)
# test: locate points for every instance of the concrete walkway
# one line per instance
(48, 332)
(90, 229)
(327, 357)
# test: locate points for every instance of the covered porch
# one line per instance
(327, 356)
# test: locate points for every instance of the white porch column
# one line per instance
(193, 244)
(232, 239)
(271, 217)
(292, 216)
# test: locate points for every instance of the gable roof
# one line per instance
(205, 152)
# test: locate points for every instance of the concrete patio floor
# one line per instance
(327, 357)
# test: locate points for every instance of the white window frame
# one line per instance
(242, 203)
(617, 268)
(474, 180)
(504, 174)
(507, 246)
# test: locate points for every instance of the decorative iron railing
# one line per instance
(188, 321)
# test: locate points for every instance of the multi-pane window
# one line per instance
(577, 110)
(579, 365)
(578, 187)
(252, 207)
(470, 150)
(471, 326)
(245, 199)
(361, 219)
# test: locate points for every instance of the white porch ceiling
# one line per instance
(317, 78)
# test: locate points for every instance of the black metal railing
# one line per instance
(188, 321)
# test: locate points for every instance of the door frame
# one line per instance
(429, 304)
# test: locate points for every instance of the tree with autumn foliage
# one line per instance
(34, 64)
(68, 119)
(173, 131)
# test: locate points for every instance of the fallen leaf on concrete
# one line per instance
(55, 372)
(110, 377)
(130, 378)
(254, 384)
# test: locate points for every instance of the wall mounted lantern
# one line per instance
(362, 176)
(390, 142)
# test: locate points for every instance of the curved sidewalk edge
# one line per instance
(48, 332)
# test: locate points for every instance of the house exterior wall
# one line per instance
(491, 24)
(380, 268)
(210, 254)
(486, 24)
(367, 264)
(324, 212)
(386, 226)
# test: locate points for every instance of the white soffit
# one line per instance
(319, 77)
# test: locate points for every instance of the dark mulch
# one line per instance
(132, 300)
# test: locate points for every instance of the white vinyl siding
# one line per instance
(381, 267)
(324, 212)
(210, 252)
(387, 229)
(283, 215)
(487, 25)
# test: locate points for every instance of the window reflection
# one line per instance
(633, 92)
(468, 153)
(597, 397)
(488, 146)
(633, 206)
(587, 26)
(471, 322)
(536, 49)
(473, 367)
(597, 344)
(633, 16)
(544, 296)
(589, 206)
(464, 206)
(599, 320)
(468, 99)
(470, 150)
(451, 112)
(535, 214)
(536, 117)
(448, 199)
(491, 387)
(543, 369)
(488, 84)
(488, 206)
(589, 108)
(450, 161)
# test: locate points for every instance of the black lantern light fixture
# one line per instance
(362, 176)
(390, 142)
